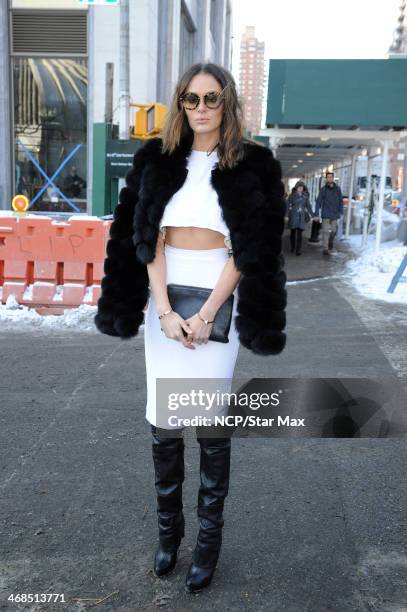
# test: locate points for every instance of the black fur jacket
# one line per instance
(251, 196)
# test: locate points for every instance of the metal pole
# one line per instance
(380, 203)
(90, 107)
(109, 79)
(339, 222)
(341, 177)
(367, 197)
(350, 195)
(124, 109)
(403, 205)
(6, 137)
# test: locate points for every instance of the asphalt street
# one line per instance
(310, 525)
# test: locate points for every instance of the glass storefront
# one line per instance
(50, 119)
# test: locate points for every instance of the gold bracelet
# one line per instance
(164, 313)
(204, 320)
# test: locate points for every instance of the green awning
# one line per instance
(342, 94)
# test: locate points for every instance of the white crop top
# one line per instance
(196, 204)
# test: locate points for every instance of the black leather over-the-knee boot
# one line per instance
(214, 472)
(168, 456)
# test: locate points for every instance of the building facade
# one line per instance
(252, 79)
(398, 156)
(60, 74)
(399, 43)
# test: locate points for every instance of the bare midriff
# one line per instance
(194, 238)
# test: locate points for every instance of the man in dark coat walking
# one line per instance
(329, 208)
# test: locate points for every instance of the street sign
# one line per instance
(119, 157)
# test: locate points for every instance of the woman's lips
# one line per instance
(202, 120)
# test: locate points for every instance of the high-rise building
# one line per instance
(252, 79)
(398, 48)
(399, 44)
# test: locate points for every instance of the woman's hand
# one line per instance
(172, 325)
(200, 331)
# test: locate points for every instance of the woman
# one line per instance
(299, 213)
(204, 207)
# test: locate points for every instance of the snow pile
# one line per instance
(390, 223)
(17, 317)
(372, 273)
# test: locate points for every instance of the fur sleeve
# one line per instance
(124, 288)
(262, 294)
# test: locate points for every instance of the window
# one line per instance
(49, 78)
(187, 39)
(50, 129)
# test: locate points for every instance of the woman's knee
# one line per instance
(166, 434)
(213, 441)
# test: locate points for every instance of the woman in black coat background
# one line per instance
(250, 193)
(299, 213)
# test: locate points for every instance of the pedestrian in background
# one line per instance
(329, 208)
(299, 213)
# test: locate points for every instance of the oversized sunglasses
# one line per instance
(212, 99)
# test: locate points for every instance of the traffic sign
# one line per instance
(398, 277)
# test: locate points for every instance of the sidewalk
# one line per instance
(310, 525)
(311, 263)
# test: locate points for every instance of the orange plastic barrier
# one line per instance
(45, 262)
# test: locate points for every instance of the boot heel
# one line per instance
(198, 578)
(165, 560)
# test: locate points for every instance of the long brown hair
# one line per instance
(177, 128)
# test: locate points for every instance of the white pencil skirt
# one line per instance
(169, 358)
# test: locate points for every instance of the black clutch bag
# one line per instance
(187, 301)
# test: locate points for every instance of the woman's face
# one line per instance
(201, 84)
(300, 188)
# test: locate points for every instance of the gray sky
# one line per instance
(305, 29)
